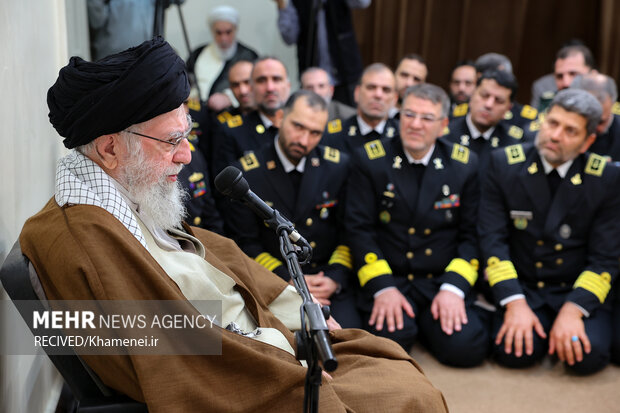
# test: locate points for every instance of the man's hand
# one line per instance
(217, 102)
(389, 306)
(519, 321)
(449, 308)
(567, 325)
(321, 287)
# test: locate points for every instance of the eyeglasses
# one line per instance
(174, 141)
(424, 117)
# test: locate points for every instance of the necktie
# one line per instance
(295, 177)
(418, 172)
(554, 181)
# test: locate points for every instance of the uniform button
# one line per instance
(559, 261)
(410, 277)
(409, 255)
(313, 244)
(540, 284)
(429, 275)
(197, 221)
(540, 243)
(558, 247)
(539, 264)
(411, 231)
(309, 222)
(428, 252)
(427, 231)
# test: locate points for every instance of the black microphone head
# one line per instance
(231, 182)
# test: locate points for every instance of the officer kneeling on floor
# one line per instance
(549, 230)
(412, 206)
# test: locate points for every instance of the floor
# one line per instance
(546, 387)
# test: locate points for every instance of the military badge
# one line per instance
(390, 132)
(324, 213)
(334, 126)
(452, 201)
(315, 162)
(515, 154)
(445, 190)
(374, 149)
(565, 231)
(260, 129)
(384, 217)
(352, 130)
(521, 218)
(271, 165)
(438, 164)
(532, 169)
(576, 179)
(397, 162)
(494, 141)
(465, 140)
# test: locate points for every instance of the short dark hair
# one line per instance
(312, 99)
(503, 78)
(493, 61)
(268, 57)
(412, 56)
(566, 51)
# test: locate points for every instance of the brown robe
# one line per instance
(83, 253)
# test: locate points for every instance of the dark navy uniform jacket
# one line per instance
(608, 143)
(316, 213)
(503, 135)
(240, 136)
(400, 235)
(347, 137)
(553, 250)
(519, 115)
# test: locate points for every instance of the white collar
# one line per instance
(286, 164)
(562, 169)
(425, 159)
(475, 133)
(365, 128)
(267, 123)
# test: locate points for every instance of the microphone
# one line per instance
(231, 183)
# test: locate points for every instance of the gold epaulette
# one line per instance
(334, 126)
(529, 112)
(332, 154)
(460, 110)
(224, 116)
(596, 164)
(467, 270)
(514, 154)
(498, 271)
(249, 161)
(268, 261)
(460, 153)
(374, 149)
(342, 256)
(374, 268)
(515, 132)
(234, 121)
(615, 109)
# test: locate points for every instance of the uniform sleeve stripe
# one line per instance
(373, 270)
(501, 271)
(268, 261)
(464, 269)
(599, 285)
(342, 255)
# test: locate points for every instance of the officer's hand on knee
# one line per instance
(449, 308)
(388, 307)
(519, 321)
(568, 336)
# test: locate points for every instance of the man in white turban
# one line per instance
(210, 62)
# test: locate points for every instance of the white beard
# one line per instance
(161, 201)
(226, 54)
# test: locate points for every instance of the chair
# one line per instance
(91, 394)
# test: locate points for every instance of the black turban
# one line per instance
(90, 99)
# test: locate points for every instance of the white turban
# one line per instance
(223, 13)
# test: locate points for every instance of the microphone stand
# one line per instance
(312, 340)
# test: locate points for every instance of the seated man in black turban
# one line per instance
(114, 231)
